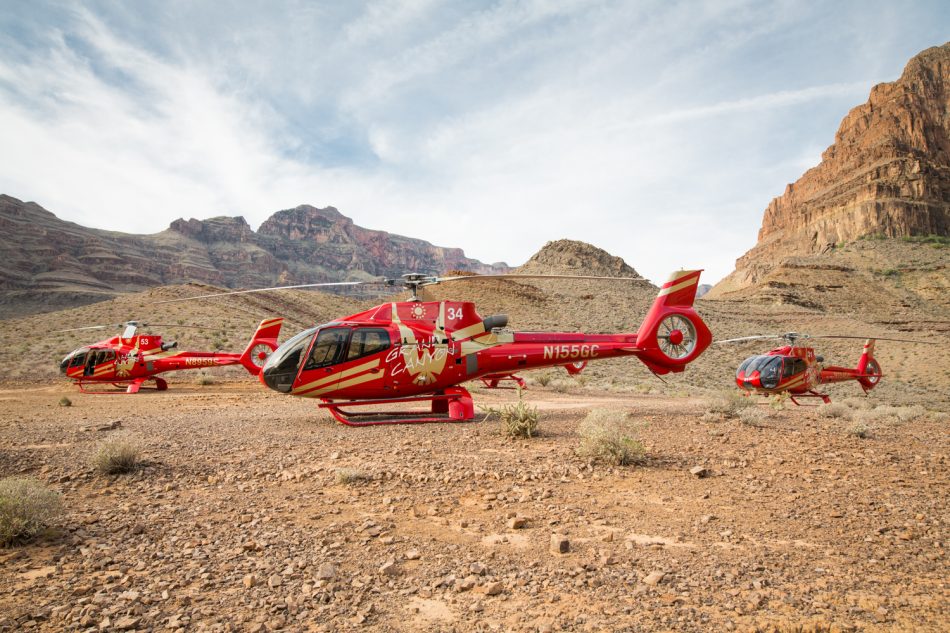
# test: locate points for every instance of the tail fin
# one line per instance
(262, 344)
(869, 369)
(672, 333)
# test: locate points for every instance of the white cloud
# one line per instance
(648, 130)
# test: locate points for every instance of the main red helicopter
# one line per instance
(422, 351)
(797, 371)
(132, 358)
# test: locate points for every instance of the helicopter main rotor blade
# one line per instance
(876, 338)
(520, 276)
(244, 292)
(756, 337)
(76, 329)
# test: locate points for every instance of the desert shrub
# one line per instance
(728, 404)
(858, 403)
(543, 379)
(560, 386)
(116, 456)
(348, 476)
(204, 381)
(835, 410)
(517, 420)
(709, 416)
(911, 413)
(65, 402)
(609, 436)
(27, 507)
(753, 416)
(859, 430)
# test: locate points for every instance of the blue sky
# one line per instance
(658, 131)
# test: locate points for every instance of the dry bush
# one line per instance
(835, 410)
(753, 416)
(609, 436)
(117, 455)
(560, 386)
(911, 413)
(348, 476)
(517, 420)
(856, 402)
(728, 404)
(27, 507)
(65, 402)
(859, 430)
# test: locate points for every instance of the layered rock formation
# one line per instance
(887, 174)
(47, 263)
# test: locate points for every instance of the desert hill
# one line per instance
(887, 175)
(48, 263)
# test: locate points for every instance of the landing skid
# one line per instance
(452, 405)
(811, 394)
(130, 386)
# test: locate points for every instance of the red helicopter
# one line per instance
(797, 371)
(132, 359)
(421, 351)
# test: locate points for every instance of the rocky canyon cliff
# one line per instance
(47, 263)
(886, 175)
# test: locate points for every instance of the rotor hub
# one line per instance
(676, 337)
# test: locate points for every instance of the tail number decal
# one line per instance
(570, 352)
(200, 362)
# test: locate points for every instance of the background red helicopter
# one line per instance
(132, 358)
(796, 370)
(421, 351)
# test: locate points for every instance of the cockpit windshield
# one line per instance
(768, 367)
(281, 368)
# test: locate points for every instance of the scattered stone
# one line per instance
(559, 544)
(413, 554)
(326, 572)
(389, 568)
(699, 471)
(654, 578)
(491, 588)
(274, 581)
(250, 580)
(517, 523)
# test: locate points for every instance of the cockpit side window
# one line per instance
(327, 348)
(78, 360)
(366, 341)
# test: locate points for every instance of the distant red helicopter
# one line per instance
(421, 351)
(132, 359)
(796, 370)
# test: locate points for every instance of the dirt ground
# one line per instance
(255, 511)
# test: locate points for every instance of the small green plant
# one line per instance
(517, 420)
(609, 436)
(347, 476)
(777, 401)
(543, 379)
(65, 402)
(27, 507)
(116, 456)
